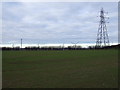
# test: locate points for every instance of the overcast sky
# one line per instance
(59, 22)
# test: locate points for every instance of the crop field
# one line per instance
(60, 69)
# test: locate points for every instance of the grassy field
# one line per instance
(60, 69)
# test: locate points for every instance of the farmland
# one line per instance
(60, 69)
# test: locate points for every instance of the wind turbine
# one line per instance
(13, 45)
(63, 46)
(75, 44)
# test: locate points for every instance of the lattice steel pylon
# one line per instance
(102, 35)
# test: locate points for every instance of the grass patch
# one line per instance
(60, 69)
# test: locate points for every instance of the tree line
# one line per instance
(60, 48)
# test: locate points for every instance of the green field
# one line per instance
(60, 69)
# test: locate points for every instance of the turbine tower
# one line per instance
(21, 43)
(102, 35)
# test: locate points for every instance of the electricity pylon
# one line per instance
(102, 35)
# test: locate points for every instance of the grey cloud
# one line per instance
(54, 21)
